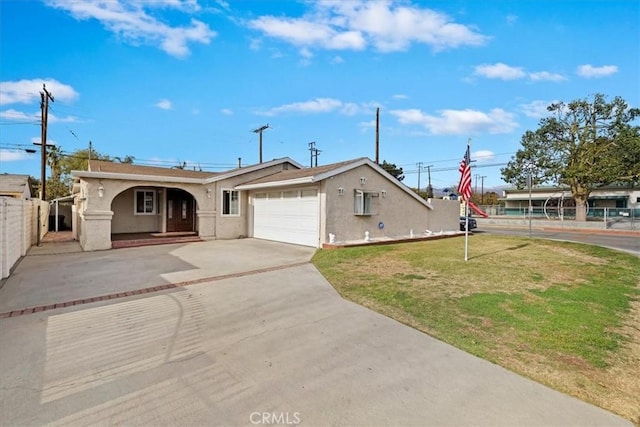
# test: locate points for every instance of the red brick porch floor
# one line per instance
(57, 236)
(131, 240)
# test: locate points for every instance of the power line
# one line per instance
(457, 159)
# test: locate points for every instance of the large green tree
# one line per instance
(393, 170)
(60, 182)
(584, 144)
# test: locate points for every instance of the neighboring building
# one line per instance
(16, 186)
(619, 200)
(277, 200)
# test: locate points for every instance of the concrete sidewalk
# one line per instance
(273, 344)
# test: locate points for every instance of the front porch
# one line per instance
(131, 240)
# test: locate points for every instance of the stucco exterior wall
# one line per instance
(444, 216)
(233, 227)
(95, 213)
(126, 221)
(398, 212)
(113, 212)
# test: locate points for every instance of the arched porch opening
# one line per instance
(153, 211)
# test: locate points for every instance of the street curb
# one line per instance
(589, 231)
(151, 289)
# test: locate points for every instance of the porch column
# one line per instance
(206, 223)
(95, 230)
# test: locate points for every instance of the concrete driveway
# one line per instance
(261, 338)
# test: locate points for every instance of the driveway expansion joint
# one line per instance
(151, 289)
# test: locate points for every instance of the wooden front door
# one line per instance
(179, 210)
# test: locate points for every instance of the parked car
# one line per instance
(472, 223)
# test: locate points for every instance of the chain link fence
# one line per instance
(611, 218)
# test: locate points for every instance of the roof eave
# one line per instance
(271, 184)
(136, 177)
(252, 168)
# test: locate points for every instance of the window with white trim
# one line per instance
(364, 202)
(145, 202)
(230, 202)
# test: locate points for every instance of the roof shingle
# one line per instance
(290, 174)
(126, 168)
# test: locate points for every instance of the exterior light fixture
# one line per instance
(384, 193)
(209, 193)
(100, 190)
(363, 180)
(340, 191)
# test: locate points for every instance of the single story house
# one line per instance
(277, 200)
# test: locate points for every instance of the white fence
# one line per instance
(19, 229)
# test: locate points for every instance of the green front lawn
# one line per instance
(560, 313)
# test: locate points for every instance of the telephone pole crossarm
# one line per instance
(259, 132)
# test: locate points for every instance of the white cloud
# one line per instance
(55, 119)
(227, 111)
(130, 21)
(546, 76)
(300, 32)
(500, 71)
(28, 91)
(400, 96)
(163, 104)
(511, 19)
(255, 44)
(459, 122)
(13, 155)
(321, 105)
(387, 26)
(364, 126)
(589, 71)
(503, 71)
(536, 109)
(337, 60)
(19, 115)
(483, 156)
(306, 53)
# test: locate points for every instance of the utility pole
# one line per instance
(475, 190)
(419, 165)
(482, 191)
(312, 147)
(314, 154)
(259, 131)
(429, 187)
(45, 96)
(378, 135)
(239, 162)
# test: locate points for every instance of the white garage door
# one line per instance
(289, 216)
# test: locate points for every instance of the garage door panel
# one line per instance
(290, 220)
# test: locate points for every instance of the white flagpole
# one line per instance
(466, 213)
(466, 231)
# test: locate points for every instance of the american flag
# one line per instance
(464, 188)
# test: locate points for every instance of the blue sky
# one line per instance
(171, 81)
